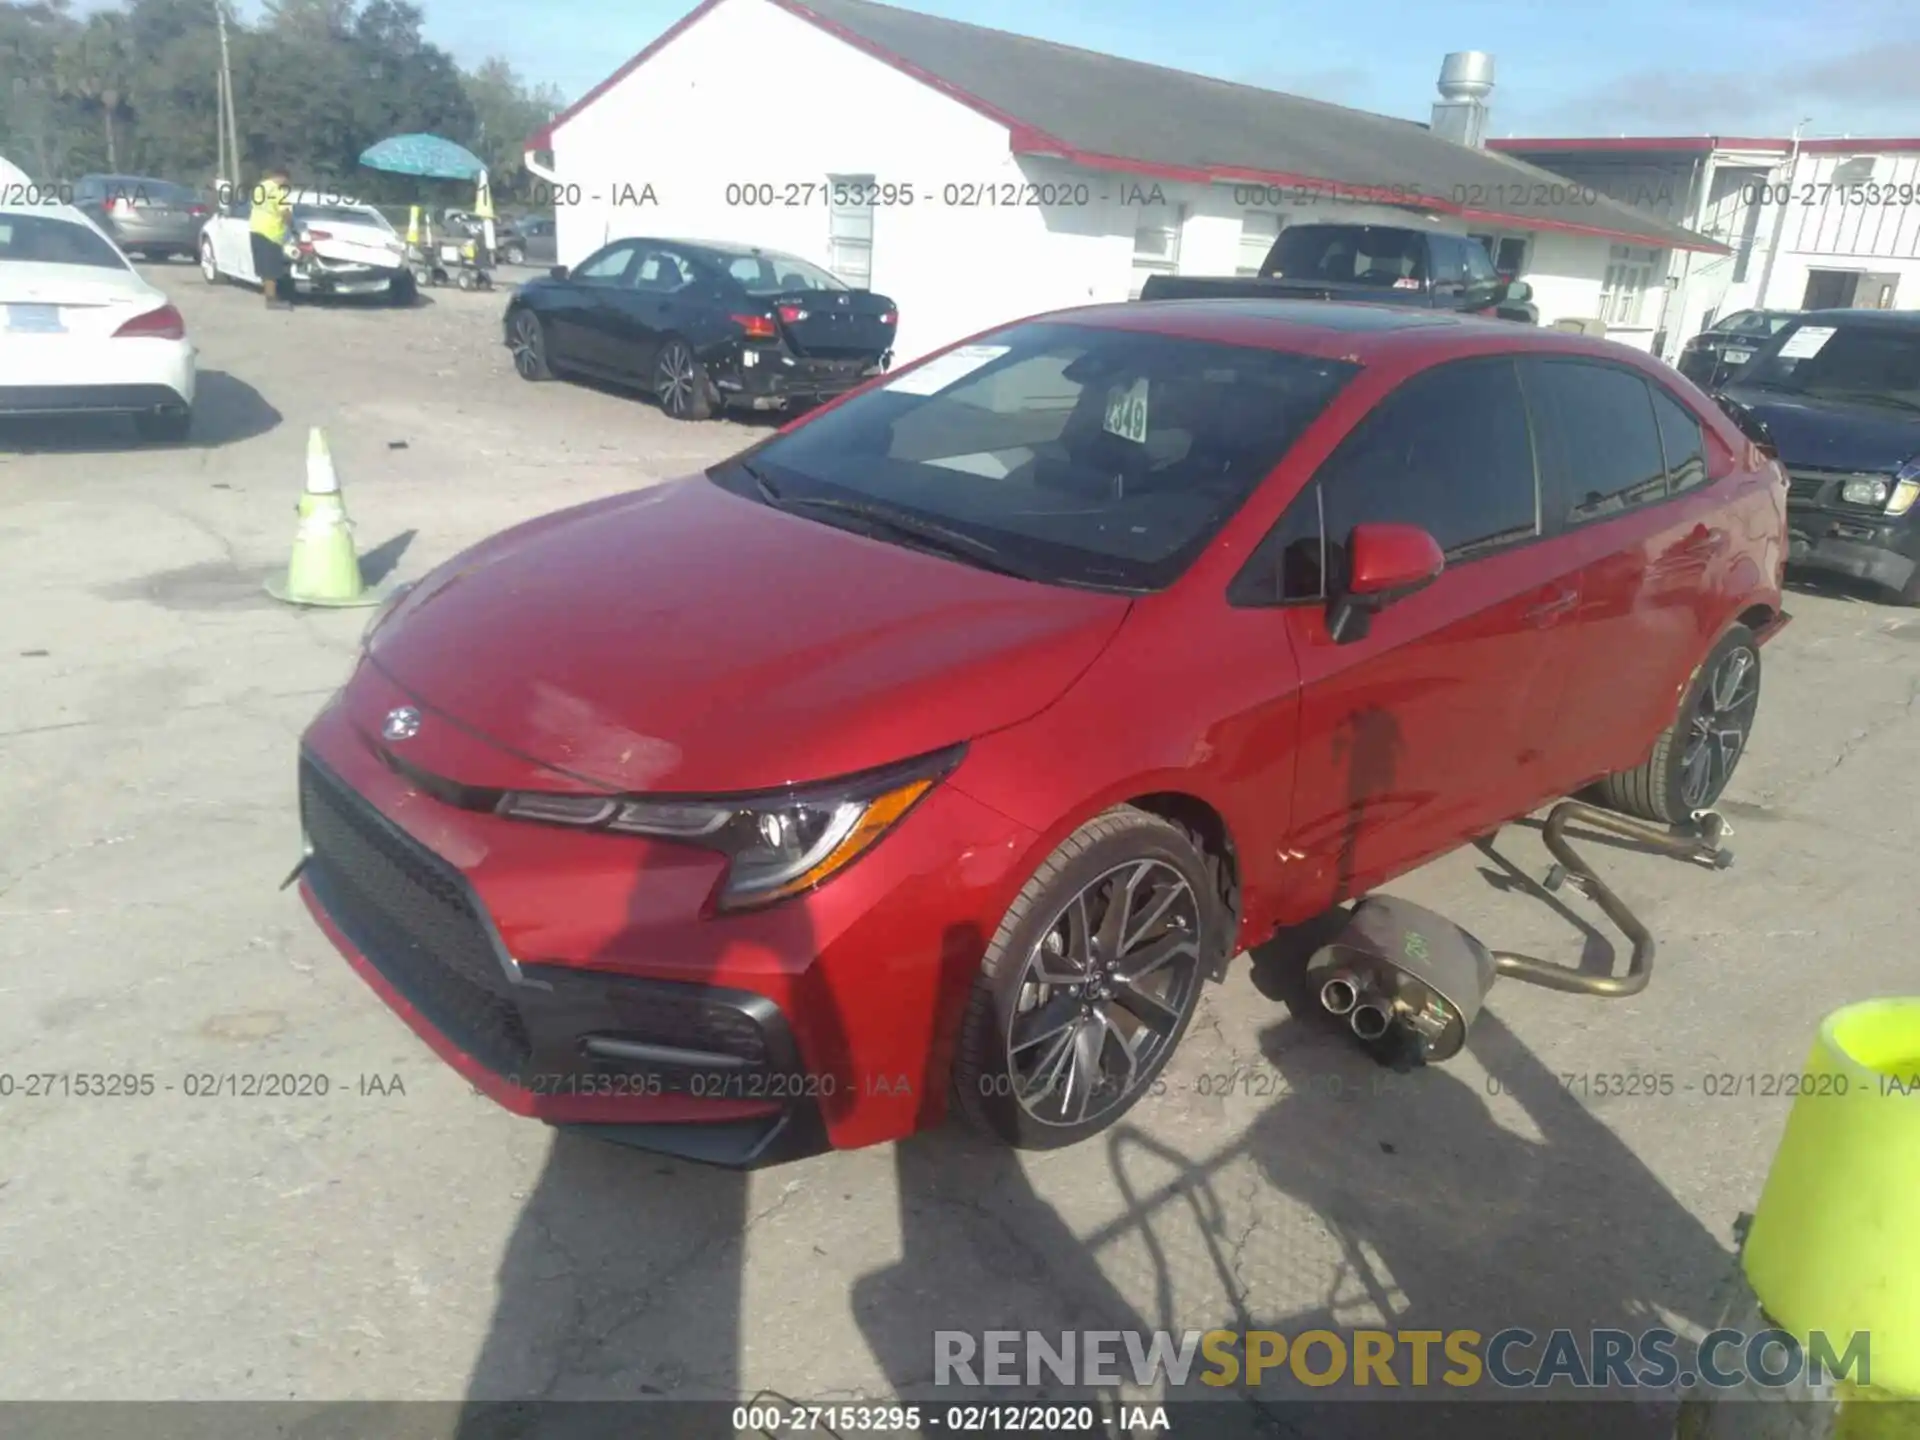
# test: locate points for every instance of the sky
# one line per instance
(1578, 67)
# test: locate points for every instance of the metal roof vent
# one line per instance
(1460, 115)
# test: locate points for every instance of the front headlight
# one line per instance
(777, 845)
(1865, 491)
(1906, 489)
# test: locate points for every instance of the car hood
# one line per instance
(685, 639)
(1832, 434)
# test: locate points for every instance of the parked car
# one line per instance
(1711, 357)
(1838, 395)
(530, 241)
(342, 247)
(82, 333)
(1379, 264)
(940, 746)
(703, 327)
(154, 219)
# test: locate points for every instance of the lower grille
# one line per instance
(413, 917)
(1807, 486)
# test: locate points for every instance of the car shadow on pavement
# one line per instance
(1454, 1205)
(226, 411)
(623, 1278)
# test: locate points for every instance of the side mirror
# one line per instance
(1518, 291)
(1385, 563)
(558, 272)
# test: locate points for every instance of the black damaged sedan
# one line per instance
(702, 327)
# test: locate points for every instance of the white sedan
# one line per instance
(339, 247)
(81, 333)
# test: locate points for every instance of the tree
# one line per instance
(133, 89)
(94, 68)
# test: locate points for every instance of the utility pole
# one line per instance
(1780, 220)
(231, 149)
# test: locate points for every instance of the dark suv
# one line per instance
(1838, 392)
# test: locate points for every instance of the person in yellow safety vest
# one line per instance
(272, 206)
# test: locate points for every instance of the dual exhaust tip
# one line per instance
(1367, 1017)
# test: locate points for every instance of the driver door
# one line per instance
(576, 327)
(1436, 724)
(233, 239)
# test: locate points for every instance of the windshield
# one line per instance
(768, 273)
(1348, 254)
(339, 215)
(1866, 363)
(1080, 456)
(44, 240)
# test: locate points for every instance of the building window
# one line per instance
(1258, 230)
(1156, 243)
(1630, 274)
(1508, 253)
(850, 229)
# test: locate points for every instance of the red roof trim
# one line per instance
(1032, 142)
(1701, 144)
(542, 139)
(1024, 139)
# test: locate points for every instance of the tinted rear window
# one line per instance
(41, 239)
(150, 192)
(769, 274)
(1095, 457)
(1608, 443)
(1364, 254)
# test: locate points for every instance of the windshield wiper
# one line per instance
(920, 534)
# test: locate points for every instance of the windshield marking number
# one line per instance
(1127, 412)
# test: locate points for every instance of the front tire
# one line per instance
(401, 290)
(1696, 755)
(527, 339)
(514, 255)
(1090, 982)
(680, 383)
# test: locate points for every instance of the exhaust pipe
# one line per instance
(1369, 1021)
(1340, 994)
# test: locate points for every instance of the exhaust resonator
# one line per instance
(1410, 982)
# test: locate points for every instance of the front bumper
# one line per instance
(1862, 546)
(575, 977)
(773, 379)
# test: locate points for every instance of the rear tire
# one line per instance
(1044, 1062)
(209, 267)
(164, 427)
(1696, 755)
(681, 384)
(1909, 594)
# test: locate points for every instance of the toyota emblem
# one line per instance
(401, 724)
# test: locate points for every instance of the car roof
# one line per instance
(68, 213)
(1866, 319)
(1346, 330)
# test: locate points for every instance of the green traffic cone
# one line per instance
(324, 570)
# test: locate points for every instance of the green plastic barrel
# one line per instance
(1835, 1241)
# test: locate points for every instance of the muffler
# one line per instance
(1410, 982)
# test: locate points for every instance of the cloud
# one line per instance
(1854, 92)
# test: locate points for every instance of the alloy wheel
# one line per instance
(528, 346)
(677, 380)
(1718, 731)
(1105, 993)
(209, 270)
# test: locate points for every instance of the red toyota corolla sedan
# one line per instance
(939, 748)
